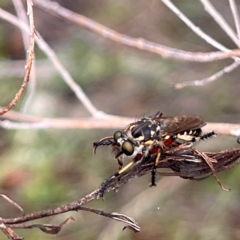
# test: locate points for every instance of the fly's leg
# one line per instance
(120, 163)
(153, 172)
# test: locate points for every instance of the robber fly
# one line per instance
(166, 131)
(153, 135)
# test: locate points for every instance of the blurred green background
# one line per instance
(43, 169)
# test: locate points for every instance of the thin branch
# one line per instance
(9, 232)
(209, 40)
(12, 203)
(74, 206)
(138, 43)
(220, 21)
(23, 121)
(194, 28)
(235, 16)
(130, 222)
(223, 128)
(18, 5)
(46, 228)
(207, 80)
(64, 123)
(60, 68)
(32, 83)
(55, 229)
(29, 61)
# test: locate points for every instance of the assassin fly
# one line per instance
(153, 135)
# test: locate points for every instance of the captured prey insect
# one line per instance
(153, 135)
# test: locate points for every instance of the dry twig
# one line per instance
(212, 78)
(139, 43)
(216, 16)
(58, 65)
(30, 122)
(220, 21)
(24, 121)
(184, 162)
(12, 203)
(9, 232)
(29, 61)
(235, 16)
(32, 82)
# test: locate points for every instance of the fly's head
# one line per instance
(122, 142)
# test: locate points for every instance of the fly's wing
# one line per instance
(177, 124)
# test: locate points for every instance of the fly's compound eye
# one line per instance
(127, 148)
(117, 135)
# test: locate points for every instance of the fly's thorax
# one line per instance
(143, 130)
